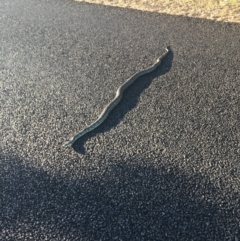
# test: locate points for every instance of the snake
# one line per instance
(104, 114)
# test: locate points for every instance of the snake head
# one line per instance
(160, 59)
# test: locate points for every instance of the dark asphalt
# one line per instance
(163, 166)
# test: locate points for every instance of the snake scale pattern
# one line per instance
(115, 101)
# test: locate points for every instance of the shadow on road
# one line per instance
(129, 101)
(126, 202)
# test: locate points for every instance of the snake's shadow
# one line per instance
(129, 101)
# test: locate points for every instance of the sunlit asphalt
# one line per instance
(163, 166)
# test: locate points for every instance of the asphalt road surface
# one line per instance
(163, 166)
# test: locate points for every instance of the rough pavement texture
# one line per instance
(164, 165)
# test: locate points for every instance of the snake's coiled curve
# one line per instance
(115, 101)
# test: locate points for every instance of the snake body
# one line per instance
(115, 101)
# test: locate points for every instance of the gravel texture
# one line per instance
(165, 165)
